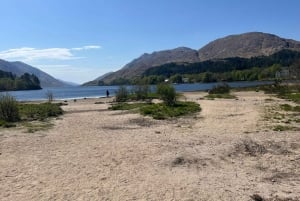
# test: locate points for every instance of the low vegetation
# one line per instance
(169, 108)
(39, 111)
(9, 111)
(12, 112)
(167, 93)
(289, 108)
(163, 111)
(122, 94)
(284, 116)
(220, 91)
(160, 110)
(285, 91)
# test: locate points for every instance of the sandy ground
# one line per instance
(228, 151)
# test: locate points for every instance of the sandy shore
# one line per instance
(228, 151)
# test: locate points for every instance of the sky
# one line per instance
(79, 40)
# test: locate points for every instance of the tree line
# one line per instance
(10, 82)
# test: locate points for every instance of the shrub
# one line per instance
(49, 96)
(222, 88)
(141, 91)
(8, 108)
(163, 111)
(167, 93)
(122, 94)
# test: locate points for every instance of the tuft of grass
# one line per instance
(8, 108)
(160, 110)
(224, 96)
(163, 111)
(282, 128)
(39, 111)
(127, 106)
(6, 124)
(289, 108)
(295, 97)
(35, 126)
(269, 100)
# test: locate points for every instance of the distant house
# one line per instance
(284, 73)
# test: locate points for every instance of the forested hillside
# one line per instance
(230, 69)
(10, 82)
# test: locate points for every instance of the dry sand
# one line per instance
(226, 152)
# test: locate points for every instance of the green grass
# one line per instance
(39, 111)
(160, 110)
(224, 96)
(289, 92)
(35, 126)
(6, 124)
(289, 108)
(36, 113)
(282, 128)
(295, 97)
(126, 106)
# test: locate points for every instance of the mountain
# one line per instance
(19, 68)
(146, 61)
(95, 82)
(245, 45)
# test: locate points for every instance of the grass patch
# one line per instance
(35, 126)
(127, 106)
(224, 96)
(282, 128)
(295, 97)
(269, 100)
(289, 92)
(29, 112)
(160, 110)
(289, 108)
(6, 124)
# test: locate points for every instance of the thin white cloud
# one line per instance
(87, 47)
(30, 54)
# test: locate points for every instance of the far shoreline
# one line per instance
(91, 92)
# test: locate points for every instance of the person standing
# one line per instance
(107, 93)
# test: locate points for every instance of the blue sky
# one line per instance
(79, 40)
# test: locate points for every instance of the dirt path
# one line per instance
(226, 152)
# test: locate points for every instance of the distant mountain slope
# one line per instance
(246, 45)
(95, 82)
(146, 61)
(19, 68)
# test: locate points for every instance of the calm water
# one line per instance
(100, 91)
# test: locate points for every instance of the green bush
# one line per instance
(8, 108)
(141, 91)
(39, 111)
(167, 93)
(122, 94)
(222, 88)
(163, 111)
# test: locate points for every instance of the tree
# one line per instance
(167, 93)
